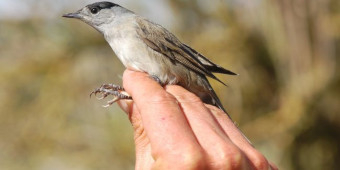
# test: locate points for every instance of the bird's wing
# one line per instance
(207, 63)
(164, 42)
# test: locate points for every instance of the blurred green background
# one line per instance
(286, 99)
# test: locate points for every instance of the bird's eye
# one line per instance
(94, 10)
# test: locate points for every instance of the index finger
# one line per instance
(164, 122)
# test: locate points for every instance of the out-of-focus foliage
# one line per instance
(286, 99)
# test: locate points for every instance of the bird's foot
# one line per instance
(111, 89)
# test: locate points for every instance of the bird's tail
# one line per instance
(214, 100)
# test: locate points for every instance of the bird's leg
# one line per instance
(111, 89)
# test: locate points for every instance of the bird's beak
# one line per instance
(73, 15)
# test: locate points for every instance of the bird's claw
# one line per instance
(95, 92)
(111, 89)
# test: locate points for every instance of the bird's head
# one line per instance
(99, 14)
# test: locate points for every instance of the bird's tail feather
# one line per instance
(214, 98)
(218, 104)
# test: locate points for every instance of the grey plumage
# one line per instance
(144, 46)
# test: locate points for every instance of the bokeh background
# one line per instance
(286, 99)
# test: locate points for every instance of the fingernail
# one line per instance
(125, 105)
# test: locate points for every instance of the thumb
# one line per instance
(144, 159)
(129, 107)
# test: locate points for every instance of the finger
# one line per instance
(144, 159)
(273, 166)
(223, 154)
(164, 123)
(257, 160)
(125, 105)
(130, 108)
(229, 127)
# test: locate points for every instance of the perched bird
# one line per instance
(144, 46)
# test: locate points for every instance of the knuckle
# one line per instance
(259, 161)
(186, 159)
(193, 160)
(274, 167)
(229, 158)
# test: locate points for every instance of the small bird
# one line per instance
(145, 46)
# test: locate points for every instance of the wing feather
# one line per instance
(209, 64)
(164, 42)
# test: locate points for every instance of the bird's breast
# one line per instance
(132, 53)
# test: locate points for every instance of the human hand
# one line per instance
(174, 129)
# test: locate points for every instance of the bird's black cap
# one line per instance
(95, 7)
(102, 5)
